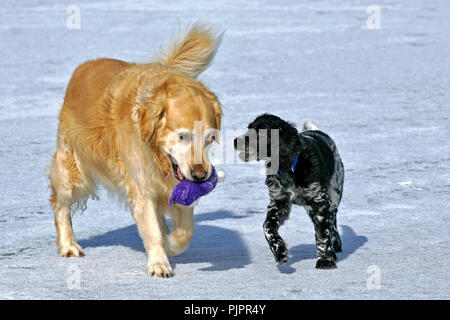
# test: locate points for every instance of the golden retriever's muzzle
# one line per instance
(197, 172)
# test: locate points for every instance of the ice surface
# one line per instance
(383, 95)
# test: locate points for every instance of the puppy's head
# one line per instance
(180, 122)
(267, 136)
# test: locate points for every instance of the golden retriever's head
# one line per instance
(180, 122)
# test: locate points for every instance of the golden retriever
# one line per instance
(131, 127)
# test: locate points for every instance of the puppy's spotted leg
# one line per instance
(323, 216)
(277, 212)
(335, 239)
(323, 227)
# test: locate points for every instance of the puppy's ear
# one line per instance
(288, 128)
(289, 138)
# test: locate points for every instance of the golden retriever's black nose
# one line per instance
(198, 174)
(235, 143)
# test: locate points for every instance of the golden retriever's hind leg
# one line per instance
(65, 239)
(67, 188)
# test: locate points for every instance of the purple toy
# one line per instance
(186, 192)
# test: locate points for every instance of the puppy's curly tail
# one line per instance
(310, 125)
(193, 52)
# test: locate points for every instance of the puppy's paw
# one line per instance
(280, 253)
(325, 264)
(282, 256)
(160, 269)
(70, 250)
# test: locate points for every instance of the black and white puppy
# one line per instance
(310, 173)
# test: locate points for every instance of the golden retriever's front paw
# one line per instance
(71, 250)
(178, 241)
(160, 269)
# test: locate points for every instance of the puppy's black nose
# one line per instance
(235, 143)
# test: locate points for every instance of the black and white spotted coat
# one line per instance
(316, 183)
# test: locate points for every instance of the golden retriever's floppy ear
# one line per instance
(216, 106)
(218, 113)
(144, 126)
(150, 114)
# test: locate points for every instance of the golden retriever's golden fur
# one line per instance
(119, 126)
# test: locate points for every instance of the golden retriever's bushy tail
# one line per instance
(193, 52)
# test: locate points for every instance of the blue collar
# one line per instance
(293, 165)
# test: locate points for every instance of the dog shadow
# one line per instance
(223, 249)
(350, 243)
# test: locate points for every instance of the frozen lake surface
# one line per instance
(383, 95)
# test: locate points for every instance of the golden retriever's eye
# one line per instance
(183, 137)
(210, 139)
